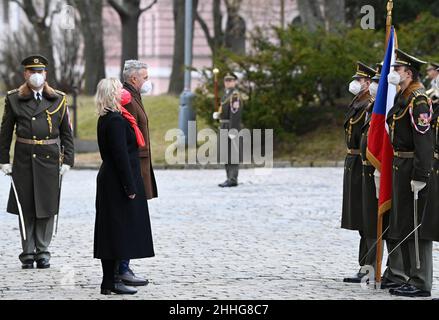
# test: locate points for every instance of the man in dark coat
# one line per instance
(230, 115)
(394, 275)
(352, 191)
(136, 81)
(410, 134)
(40, 116)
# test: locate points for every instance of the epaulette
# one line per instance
(60, 92)
(12, 91)
(419, 93)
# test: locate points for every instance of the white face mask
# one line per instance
(373, 89)
(37, 80)
(355, 87)
(394, 78)
(146, 87)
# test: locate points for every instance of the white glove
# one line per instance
(376, 176)
(64, 168)
(216, 115)
(417, 186)
(6, 168)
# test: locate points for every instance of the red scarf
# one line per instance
(129, 117)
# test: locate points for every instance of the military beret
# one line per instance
(35, 62)
(230, 75)
(404, 59)
(363, 71)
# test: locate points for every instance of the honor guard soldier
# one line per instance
(430, 223)
(352, 181)
(394, 274)
(229, 115)
(433, 91)
(43, 153)
(410, 135)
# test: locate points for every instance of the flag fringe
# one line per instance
(373, 160)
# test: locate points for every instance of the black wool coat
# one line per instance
(122, 227)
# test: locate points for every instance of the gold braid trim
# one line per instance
(49, 114)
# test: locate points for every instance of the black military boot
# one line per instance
(228, 184)
(409, 290)
(388, 284)
(27, 264)
(355, 279)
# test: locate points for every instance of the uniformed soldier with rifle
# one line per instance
(394, 274)
(39, 116)
(229, 116)
(352, 218)
(409, 123)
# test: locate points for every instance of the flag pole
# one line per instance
(379, 252)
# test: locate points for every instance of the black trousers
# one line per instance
(108, 267)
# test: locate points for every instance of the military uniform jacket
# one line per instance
(430, 221)
(230, 118)
(409, 125)
(35, 168)
(231, 110)
(352, 178)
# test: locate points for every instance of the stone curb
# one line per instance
(277, 164)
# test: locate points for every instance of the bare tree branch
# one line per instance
(206, 30)
(29, 10)
(119, 8)
(148, 7)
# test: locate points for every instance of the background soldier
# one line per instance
(352, 193)
(430, 222)
(230, 115)
(409, 124)
(433, 91)
(40, 116)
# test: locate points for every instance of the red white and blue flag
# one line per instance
(379, 147)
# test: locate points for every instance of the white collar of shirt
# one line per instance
(40, 92)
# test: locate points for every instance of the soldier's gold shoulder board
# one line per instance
(12, 91)
(60, 92)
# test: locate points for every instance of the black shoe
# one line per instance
(130, 279)
(43, 263)
(228, 184)
(355, 279)
(27, 264)
(409, 291)
(387, 284)
(119, 288)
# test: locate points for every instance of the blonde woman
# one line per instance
(122, 228)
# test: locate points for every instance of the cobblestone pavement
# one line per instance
(276, 236)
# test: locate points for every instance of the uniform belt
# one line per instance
(224, 121)
(436, 155)
(366, 163)
(404, 154)
(37, 142)
(353, 151)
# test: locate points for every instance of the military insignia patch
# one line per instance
(36, 61)
(424, 119)
(422, 123)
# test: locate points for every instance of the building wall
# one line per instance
(156, 33)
